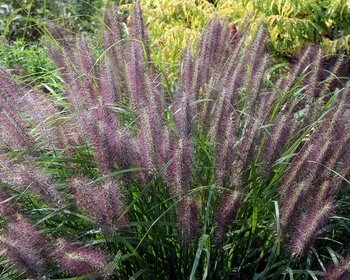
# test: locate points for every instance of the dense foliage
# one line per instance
(24, 19)
(239, 171)
(30, 64)
(291, 24)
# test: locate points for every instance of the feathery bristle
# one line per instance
(227, 212)
(22, 176)
(80, 261)
(305, 232)
(189, 218)
(25, 246)
(103, 201)
(340, 271)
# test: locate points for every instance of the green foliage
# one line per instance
(24, 18)
(294, 23)
(31, 65)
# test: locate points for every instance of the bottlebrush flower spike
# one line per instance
(321, 192)
(305, 58)
(313, 77)
(257, 73)
(220, 116)
(25, 246)
(8, 208)
(340, 271)
(184, 113)
(22, 176)
(225, 155)
(13, 135)
(180, 167)
(221, 91)
(108, 83)
(278, 137)
(209, 52)
(150, 131)
(112, 26)
(321, 149)
(102, 201)
(85, 61)
(255, 61)
(253, 131)
(81, 260)
(12, 123)
(306, 230)
(227, 212)
(313, 164)
(232, 67)
(188, 78)
(44, 115)
(166, 144)
(84, 194)
(305, 156)
(216, 45)
(112, 43)
(189, 218)
(205, 108)
(331, 81)
(66, 134)
(101, 128)
(135, 75)
(110, 199)
(146, 144)
(291, 206)
(136, 24)
(10, 91)
(83, 72)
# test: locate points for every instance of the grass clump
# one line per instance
(234, 172)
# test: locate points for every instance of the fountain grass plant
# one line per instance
(238, 171)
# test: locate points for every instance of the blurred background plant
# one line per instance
(31, 65)
(21, 29)
(23, 19)
(291, 24)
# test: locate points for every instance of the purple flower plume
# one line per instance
(150, 130)
(136, 24)
(313, 76)
(112, 24)
(188, 77)
(226, 213)
(25, 247)
(81, 260)
(305, 57)
(22, 176)
(184, 113)
(225, 156)
(277, 138)
(306, 230)
(189, 218)
(135, 74)
(8, 208)
(108, 84)
(102, 201)
(13, 127)
(340, 271)
(179, 174)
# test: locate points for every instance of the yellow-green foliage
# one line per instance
(174, 24)
(293, 23)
